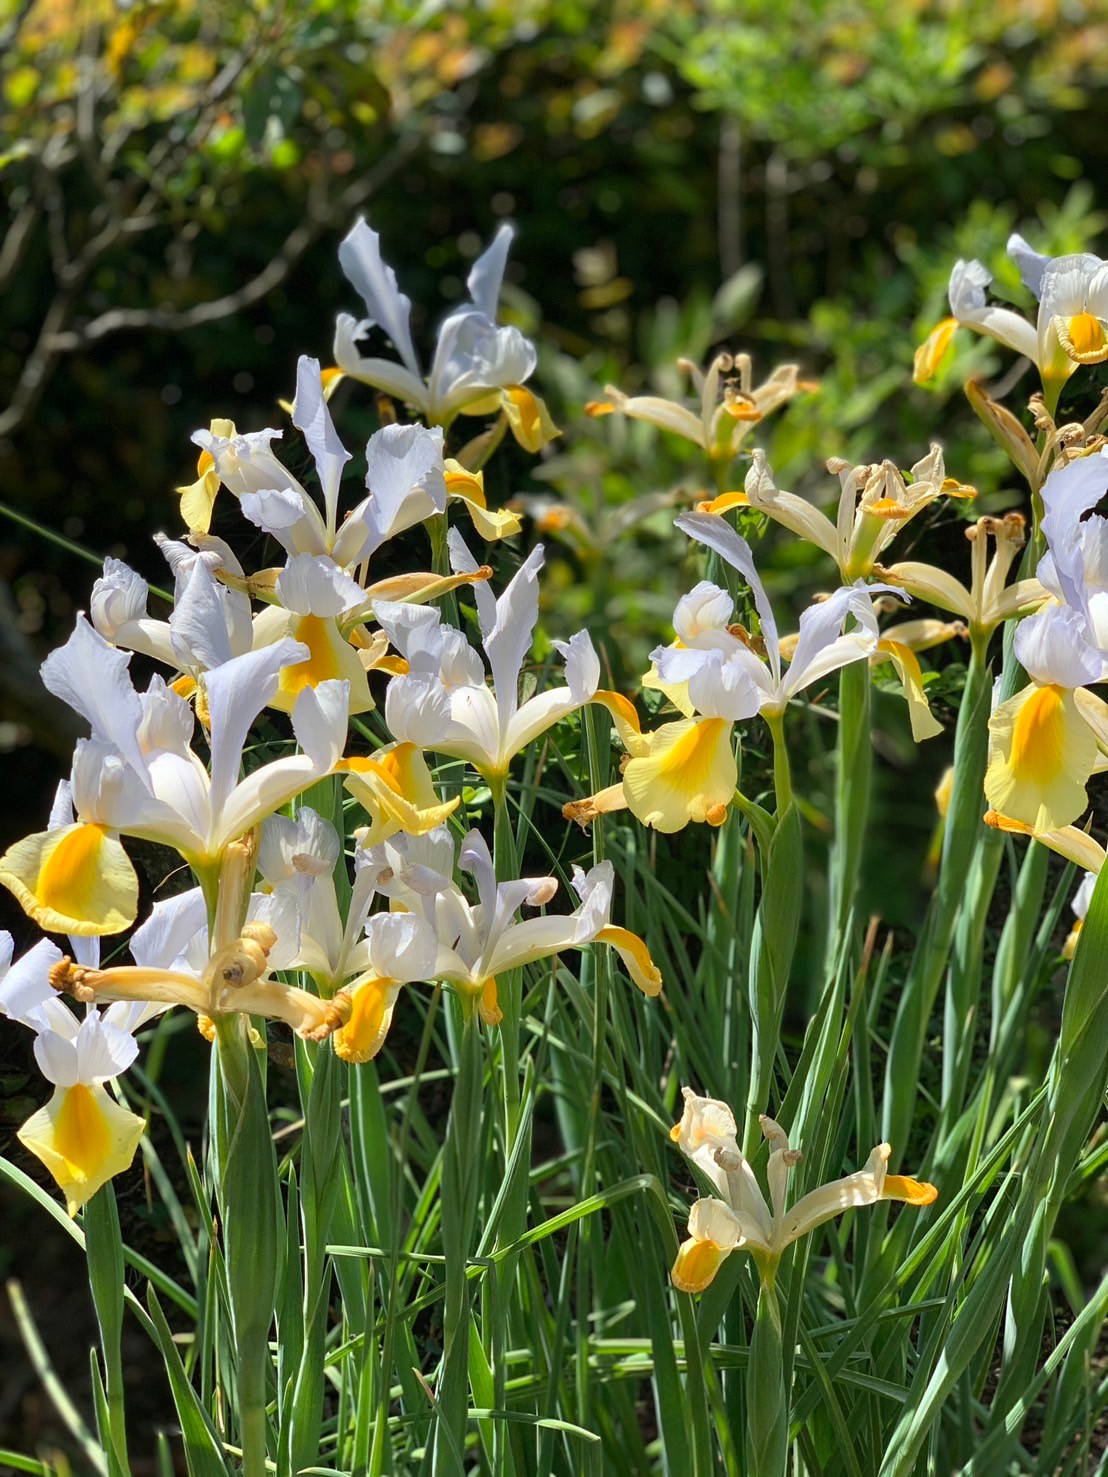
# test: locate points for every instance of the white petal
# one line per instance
(319, 721)
(1030, 263)
(162, 940)
(717, 533)
(198, 627)
(487, 273)
(103, 1050)
(405, 479)
(237, 692)
(360, 259)
(384, 374)
(61, 812)
(314, 585)
(118, 597)
(26, 987)
(401, 946)
(92, 677)
(509, 640)
(582, 666)
(311, 416)
(57, 1059)
(1053, 648)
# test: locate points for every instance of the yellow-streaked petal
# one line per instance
(1042, 754)
(689, 775)
(625, 720)
(528, 418)
(697, 1263)
(83, 1137)
(468, 488)
(331, 658)
(77, 879)
(635, 955)
(912, 1192)
(363, 1035)
(396, 792)
(931, 353)
(924, 724)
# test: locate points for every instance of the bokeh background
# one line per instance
(787, 177)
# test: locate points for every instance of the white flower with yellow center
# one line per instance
(730, 403)
(1045, 742)
(475, 359)
(477, 942)
(138, 776)
(82, 1135)
(717, 674)
(875, 502)
(1048, 739)
(1071, 327)
(444, 703)
(739, 1217)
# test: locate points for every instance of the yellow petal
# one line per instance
(697, 1263)
(1083, 338)
(635, 955)
(488, 1003)
(528, 418)
(84, 1137)
(924, 724)
(363, 1035)
(396, 791)
(912, 1192)
(198, 498)
(689, 774)
(724, 503)
(77, 879)
(331, 658)
(931, 353)
(1042, 754)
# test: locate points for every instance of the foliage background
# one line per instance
(790, 179)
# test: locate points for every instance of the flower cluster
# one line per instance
(325, 639)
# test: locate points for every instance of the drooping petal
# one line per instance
(714, 1232)
(363, 1035)
(395, 789)
(689, 775)
(84, 1138)
(74, 880)
(1042, 754)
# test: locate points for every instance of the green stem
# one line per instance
(782, 774)
(460, 1176)
(104, 1252)
(767, 1427)
(853, 774)
(249, 1204)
